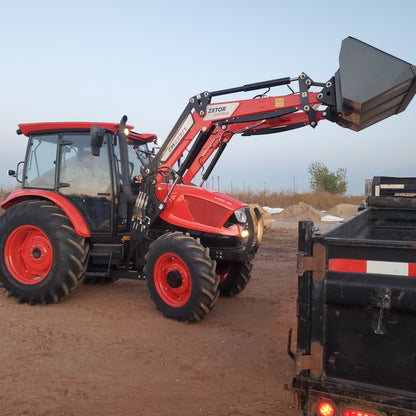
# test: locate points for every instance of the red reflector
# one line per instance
(355, 413)
(325, 409)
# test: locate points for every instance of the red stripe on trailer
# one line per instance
(372, 266)
(347, 265)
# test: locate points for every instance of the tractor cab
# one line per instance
(100, 181)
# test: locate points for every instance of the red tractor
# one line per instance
(82, 215)
(96, 204)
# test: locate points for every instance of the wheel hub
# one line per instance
(174, 279)
(37, 253)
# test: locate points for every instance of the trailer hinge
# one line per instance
(314, 264)
(312, 362)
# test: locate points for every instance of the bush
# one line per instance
(324, 180)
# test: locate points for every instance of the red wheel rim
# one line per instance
(172, 280)
(224, 272)
(28, 254)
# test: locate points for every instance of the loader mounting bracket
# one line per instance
(199, 102)
(328, 97)
(304, 84)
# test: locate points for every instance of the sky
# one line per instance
(98, 60)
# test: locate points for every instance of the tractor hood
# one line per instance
(199, 209)
(371, 85)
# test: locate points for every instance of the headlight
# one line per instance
(245, 233)
(240, 215)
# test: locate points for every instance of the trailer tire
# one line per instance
(42, 258)
(181, 277)
(234, 277)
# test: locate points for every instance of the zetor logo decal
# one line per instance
(219, 111)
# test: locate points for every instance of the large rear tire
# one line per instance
(234, 277)
(42, 258)
(181, 277)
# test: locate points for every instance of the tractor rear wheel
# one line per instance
(181, 277)
(234, 276)
(42, 258)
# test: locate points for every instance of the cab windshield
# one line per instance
(139, 155)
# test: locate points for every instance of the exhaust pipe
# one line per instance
(371, 85)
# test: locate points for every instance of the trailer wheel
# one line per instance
(181, 277)
(234, 276)
(42, 258)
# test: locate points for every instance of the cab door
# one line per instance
(87, 180)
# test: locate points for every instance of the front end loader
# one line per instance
(97, 204)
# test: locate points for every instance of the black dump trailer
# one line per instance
(356, 309)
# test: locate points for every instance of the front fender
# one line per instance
(199, 209)
(72, 213)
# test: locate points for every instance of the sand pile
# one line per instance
(343, 210)
(290, 216)
(299, 212)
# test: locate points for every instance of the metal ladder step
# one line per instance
(99, 254)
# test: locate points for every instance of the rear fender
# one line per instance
(72, 213)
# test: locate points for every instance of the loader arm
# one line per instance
(256, 116)
(204, 128)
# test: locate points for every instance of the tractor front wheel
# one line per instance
(42, 258)
(181, 277)
(234, 276)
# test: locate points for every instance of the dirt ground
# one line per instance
(106, 350)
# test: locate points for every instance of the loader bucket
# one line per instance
(371, 85)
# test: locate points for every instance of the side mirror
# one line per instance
(96, 139)
(18, 173)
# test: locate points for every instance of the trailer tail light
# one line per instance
(355, 413)
(325, 409)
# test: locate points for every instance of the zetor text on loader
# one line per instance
(96, 203)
